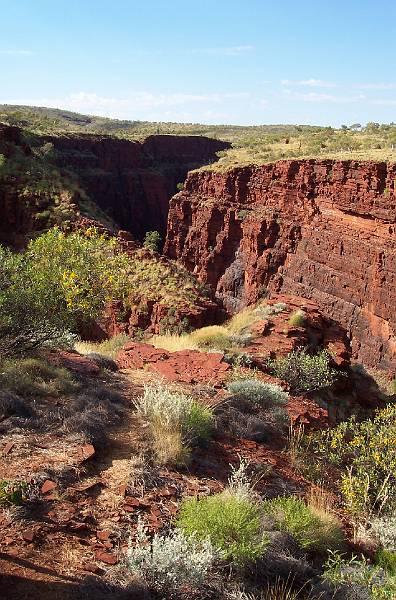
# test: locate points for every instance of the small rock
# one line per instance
(91, 567)
(48, 486)
(87, 451)
(28, 535)
(106, 557)
(8, 447)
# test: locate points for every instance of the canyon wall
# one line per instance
(324, 230)
(132, 181)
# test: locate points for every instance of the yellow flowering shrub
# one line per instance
(57, 284)
(365, 452)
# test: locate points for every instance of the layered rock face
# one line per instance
(133, 181)
(323, 230)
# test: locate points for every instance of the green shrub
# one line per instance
(58, 283)
(12, 493)
(394, 385)
(152, 241)
(314, 529)
(231, 524)
(258, 392)
(199, 422)
(366, 453)
(304, 372)
(298, 319)
(36, 376)
(387, 560)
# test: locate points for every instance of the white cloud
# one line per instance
(226, 51)
(384, 102)
(310, 83)
(149, 100)
(320, 83)
(145, 105)
(320, 97)
(376, 86)
(17, 52)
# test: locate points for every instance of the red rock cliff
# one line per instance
(130, 181)
(133, 181)
(324, 230)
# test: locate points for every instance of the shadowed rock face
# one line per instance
(133, 181)
(130, 181)
(324, 230)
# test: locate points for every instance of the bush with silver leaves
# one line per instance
(170, 561)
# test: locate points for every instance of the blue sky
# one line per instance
(213, 61)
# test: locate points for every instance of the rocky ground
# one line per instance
(85, 498)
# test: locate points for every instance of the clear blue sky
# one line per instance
(212, 61)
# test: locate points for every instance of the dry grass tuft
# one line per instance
(173, 342)
(168, 445)
(107, 348)
(242, 321)
(320, 500)
(176, 420)
(215, 337)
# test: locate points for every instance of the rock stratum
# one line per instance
(321, 229)
(133, 181)
(130, 181)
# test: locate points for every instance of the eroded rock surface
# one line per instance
(324, 230)
(183, 366)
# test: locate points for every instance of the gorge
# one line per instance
(323, 230)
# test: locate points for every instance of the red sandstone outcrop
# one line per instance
(324, 230)
(277, 336)
(154, 317)
(184, 366)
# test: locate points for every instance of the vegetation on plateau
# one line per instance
(250, 144)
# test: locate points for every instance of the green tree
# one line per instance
(57, 284)
(152, 241)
